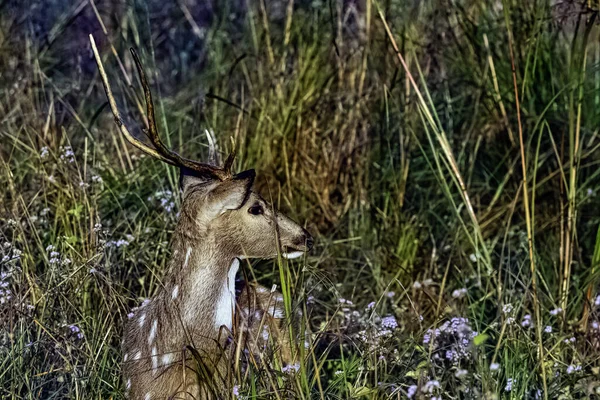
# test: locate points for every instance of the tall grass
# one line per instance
(444, 154)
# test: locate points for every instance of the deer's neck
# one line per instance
(201, 282)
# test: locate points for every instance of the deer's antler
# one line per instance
(159, 150)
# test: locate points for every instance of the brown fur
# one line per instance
(169, 337)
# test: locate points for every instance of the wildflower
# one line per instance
(67, 154)
(548, 329)
(509, 384)
(51, 179)
(427, 337)
(526, 321)
(370, 305)
(344, 301)
(338, 372)
(556, 311)
(290, 369)
(430, 386)
(96, 179)
(97, 227)
(573, 368)
(75, 329)
(44, 152)
(83, 185)
(570, 340)
(597, 301)
(510, 320)
(473, 257)
(507, 308)
(389, 322)
(236, 390)
(412, 390)
(417, 285)
(130, 315)
(459, 293)
(461, 373)
(494, 367)
(595, 325)
(50, 248)
(428, 282)
(390, 294)
(93, 270)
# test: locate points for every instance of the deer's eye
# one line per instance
(256, 209)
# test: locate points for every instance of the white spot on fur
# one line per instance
(292, 255)
(142, 319)
(154, 360)
(261, 289)
(277, 312)
(187, 256)
(225, 305)
(147, 396)
(175, 292)
(138, 355)
(128, 384)
(125, 357)
(153, 331)
(167, 359)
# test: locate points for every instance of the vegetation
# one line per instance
(452, 186)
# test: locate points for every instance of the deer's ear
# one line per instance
(232, 193)
(188, 178)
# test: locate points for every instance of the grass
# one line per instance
(444, 155)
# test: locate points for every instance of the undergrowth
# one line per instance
(452, 186)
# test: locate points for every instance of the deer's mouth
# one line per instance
(290, 255)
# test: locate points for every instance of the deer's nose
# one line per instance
(308, 240)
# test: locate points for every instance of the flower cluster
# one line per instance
(55, 258)
(451, 341)
(166, 199)
(67, 155)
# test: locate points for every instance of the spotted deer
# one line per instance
(175, 346)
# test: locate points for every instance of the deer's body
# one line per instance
(175, 346)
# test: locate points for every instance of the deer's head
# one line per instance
(238, 220)
(218, 204)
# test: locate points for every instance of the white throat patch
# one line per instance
(226, 302)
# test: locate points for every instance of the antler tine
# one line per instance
(155, 139)
(214, 157)
(113, 107)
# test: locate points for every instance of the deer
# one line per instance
(175, 345)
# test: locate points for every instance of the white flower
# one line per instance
(458, 293)
(417, 285)
(509, 384)
(548, 329)
(556, 311)
(494, 367)
(44, 152)
(460, 373)
(507, 308)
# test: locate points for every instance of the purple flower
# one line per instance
(412, 390)
(389, 322)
